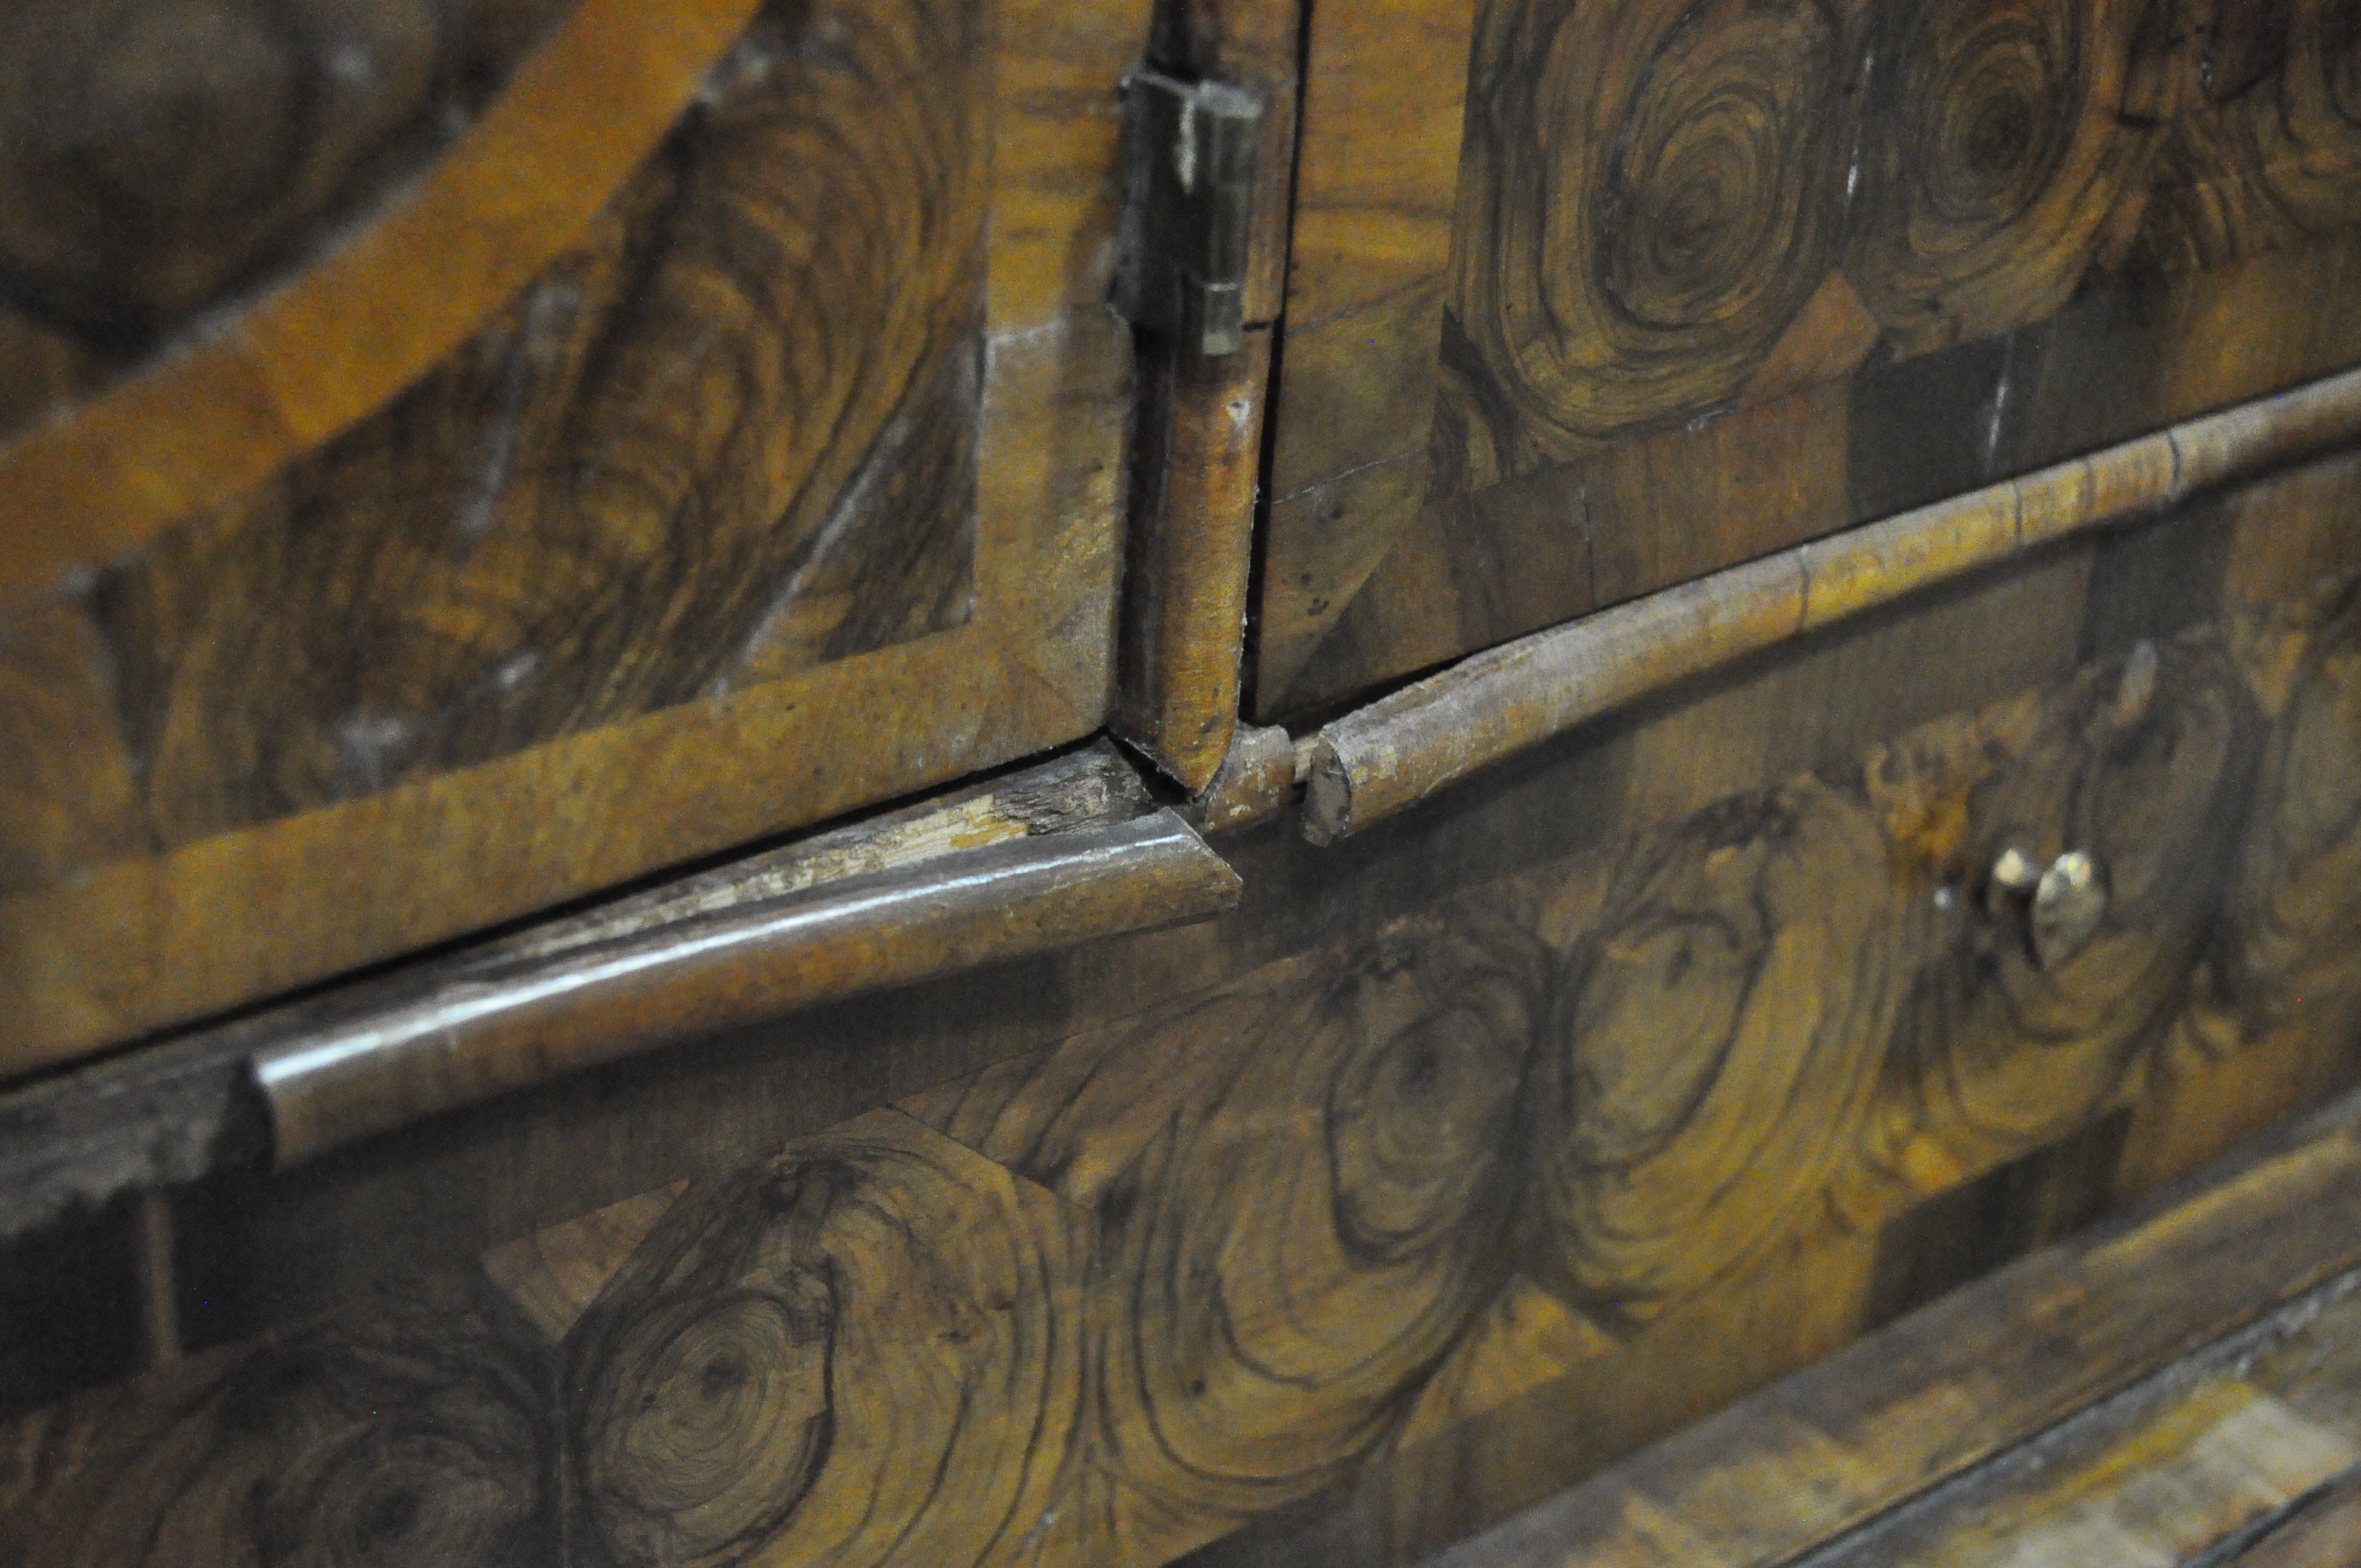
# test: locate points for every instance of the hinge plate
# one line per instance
(1189, 152)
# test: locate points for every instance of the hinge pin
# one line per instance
(1189, 152)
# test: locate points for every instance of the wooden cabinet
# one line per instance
(701, 869)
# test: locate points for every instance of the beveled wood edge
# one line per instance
(1389, 756)
(2270, 1225)
(1076, 841)
(304, 363)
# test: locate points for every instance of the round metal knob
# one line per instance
(2067, 905)
(2068, 900)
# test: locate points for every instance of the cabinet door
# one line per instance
(1592, 297)
(459, 456)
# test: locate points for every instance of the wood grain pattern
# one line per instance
(203, 426)
(1948, 1394)
(1923, 247)
(1397, 751)
(408, 1432)
(1621, 1115)
(729, 547)
(2240, 1044)
(161, 157)
(1703, 1005)
(1655, 188)
(554, 1275)
(681, 463)
(2268, 158)
(779, 1371)
(1294, 1231)
(800, 1353)
(2001, 142)
(2151, 774)
(2207, 1453)
(1938, 794)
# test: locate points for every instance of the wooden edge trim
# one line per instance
(472, 1041)
(1390, 755)
(305, 363)
(1256, 783)
(1931, 1398)
(1189, 555)
(186, 1107)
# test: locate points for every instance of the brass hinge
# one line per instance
(1188, 154)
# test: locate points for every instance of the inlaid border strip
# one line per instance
(307, 361)
(1389, 756)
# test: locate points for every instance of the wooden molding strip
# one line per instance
(1946, 1389)
(1188, 553)
(219, 416)
(475, 1037)
(1043, 857)
(1390, 755)
(1254, 784)
(1198, 428)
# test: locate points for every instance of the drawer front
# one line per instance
(1463, 1158)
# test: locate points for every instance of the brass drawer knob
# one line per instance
(2068, 900)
